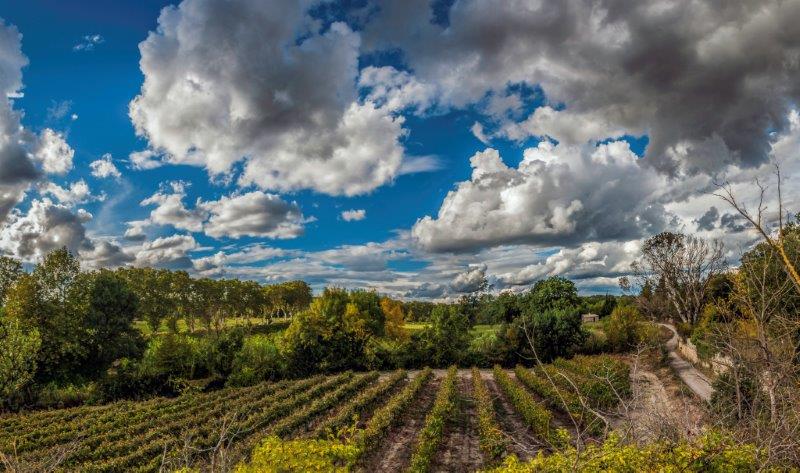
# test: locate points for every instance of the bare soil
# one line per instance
(396, 448)
(460, 449)
(661, 405)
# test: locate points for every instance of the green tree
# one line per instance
(59, 326)
(552, 293)
(18, 352)
(10, 271)
(110, 308)
(446, 339)
(55, 275)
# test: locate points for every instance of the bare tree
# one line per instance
(760, 223)
(683, 265)
(760, 342)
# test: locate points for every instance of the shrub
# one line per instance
(601, 377)
(258, 360)
(446, 339)
(554, 333)
(277, 455)
(712, 452)
(56, 396)
(596, 342)
(623, 328)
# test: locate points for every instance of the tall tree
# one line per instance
(110, 307)
(685, 265)
(55, 274)
(10, 271)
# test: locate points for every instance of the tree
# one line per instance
(760, 223)
(552, 293)
(684, 265)
(55, 275)
(110, 307)
(395, 319)
(298, 296)
(551, 334)
(446, 339)
(10, 271)
(59, 326)
(18, 350)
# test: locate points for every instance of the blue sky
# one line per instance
(477, 141)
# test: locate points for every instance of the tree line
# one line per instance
(59, 324)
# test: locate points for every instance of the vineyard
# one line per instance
(429, 420)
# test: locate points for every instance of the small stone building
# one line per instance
(586, 318)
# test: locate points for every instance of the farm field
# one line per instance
(428, 420)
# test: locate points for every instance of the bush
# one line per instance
(258, 360)
(596, 342)
(712, 452)
(279, 455)
(623, 328)
(725, 402)
(684, 329)
(221, 351)
(56, 396)
(387, 354)
(554, 333)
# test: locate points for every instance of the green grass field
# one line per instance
(476, 331)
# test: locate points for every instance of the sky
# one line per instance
(412, 146)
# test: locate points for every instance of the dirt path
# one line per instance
(694, 379)
(460, 449)
(658, 407)
(397, 447)
(522, 441)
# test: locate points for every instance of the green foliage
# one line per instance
(535, 415)
(18, 349)
(277, 455)
(333, 333)
(602, 376)
(734, 399)
(712, 452)
(389, 414)
(59, 326)
(446, 339)
(430, 437)
(552, 293)
(109, 307)
(222, 350)
(258, 360)
(552, 334)
(623, 328)
(493, 441)
(544, 384)
(10, 271)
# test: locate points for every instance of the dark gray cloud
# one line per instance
(734, 223)
(707, 81)
(708, 221)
